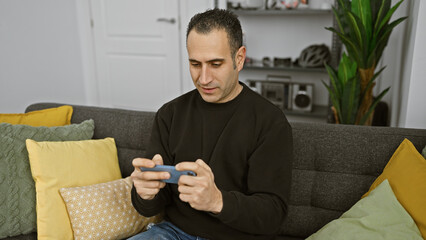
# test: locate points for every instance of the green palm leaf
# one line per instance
(347, 69)
(365, 43)
(377, 7)
(351, 46)
(335, 82)
(383, 41)
(356, 31)
(335, 102)
(350, 101)
(389, 15)
(362, 9)
(338, 20)
(364, 29)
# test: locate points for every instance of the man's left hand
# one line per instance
(200, 192)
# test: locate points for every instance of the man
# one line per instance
(238, 144)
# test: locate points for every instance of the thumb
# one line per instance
(158, 160)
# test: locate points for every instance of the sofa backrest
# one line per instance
(130, 129)
(334, 165)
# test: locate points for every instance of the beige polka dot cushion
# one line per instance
(104, 211)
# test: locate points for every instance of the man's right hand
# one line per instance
(147, 183)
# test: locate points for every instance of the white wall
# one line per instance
(392, 59)
(413, 97)
(46, 52)
(43, 57)
(40, 57)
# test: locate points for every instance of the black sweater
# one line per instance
(247, 143)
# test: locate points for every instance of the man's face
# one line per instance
(212, 67)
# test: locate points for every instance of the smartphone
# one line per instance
(174, 174)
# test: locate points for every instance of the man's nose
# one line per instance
(205, 76)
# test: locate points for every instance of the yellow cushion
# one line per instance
(104, 211)
(50, 117)
(406, 172)
(56, 165)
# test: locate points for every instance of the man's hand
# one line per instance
(200, 192)
(148, 183)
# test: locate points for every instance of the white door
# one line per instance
(137, 52)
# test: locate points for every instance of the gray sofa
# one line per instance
(334, 165)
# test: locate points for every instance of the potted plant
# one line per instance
(364, 28)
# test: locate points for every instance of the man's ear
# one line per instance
(240, 58)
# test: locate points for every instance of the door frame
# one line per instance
(88, 57)
(186, 8)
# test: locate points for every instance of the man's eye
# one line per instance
(216, 64)
(195, 64)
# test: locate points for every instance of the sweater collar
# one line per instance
(220, 106)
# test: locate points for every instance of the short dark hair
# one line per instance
(218, 19)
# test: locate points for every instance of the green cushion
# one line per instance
(377, 216)
(17, 188)
(424, 152)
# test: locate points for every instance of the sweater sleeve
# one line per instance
(262, 209)
(149, 208)
(158, 145)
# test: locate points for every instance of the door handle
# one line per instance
(169, 20)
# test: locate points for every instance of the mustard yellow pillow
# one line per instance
(104, 211)
(50, 117)
(406, 172)
(56, 165)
